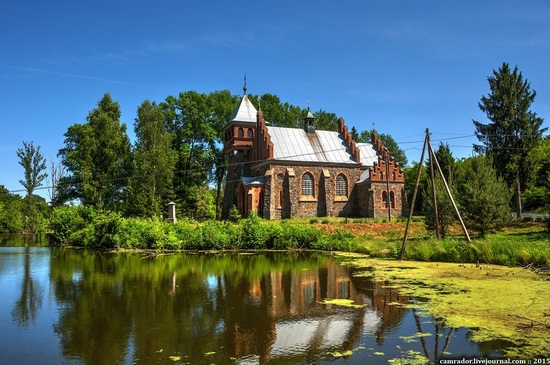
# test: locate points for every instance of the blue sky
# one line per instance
(403, 65)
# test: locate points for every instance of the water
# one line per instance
(69, 306)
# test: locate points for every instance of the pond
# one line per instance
(75, 306)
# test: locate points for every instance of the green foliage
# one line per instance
(97, 157)
(446, 212)
(35, 214)
(537, 195)
(33, 163)
(234, 215)
(446, 161)
(11, 212)
(513, 129)
(389, 143)
(410, 181)
(72, 225)
(254, 232)
(154, 163)
(483, 195)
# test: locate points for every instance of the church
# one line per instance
(304, 172)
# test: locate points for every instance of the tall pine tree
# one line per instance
(513, 129)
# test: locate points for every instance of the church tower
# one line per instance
(239, 134)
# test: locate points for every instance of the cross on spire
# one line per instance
(244, 88)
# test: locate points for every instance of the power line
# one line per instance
(206, 169)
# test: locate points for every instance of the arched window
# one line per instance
(281, 199)
(280, 176)
(385, 199)
(381, 176)
(341, 185)
(241, 133)
(393, 175)
(392, 199)
(250, 133)
(307, 184)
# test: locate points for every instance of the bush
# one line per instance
(255, 234)
(234, 215)
(71, 225)
(107, 227)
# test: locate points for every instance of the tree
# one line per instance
(325, 121)
(513, 129)
(483, 194)
(223, 106)
(445, 210)
(154, 162)
(189, 118)
(57, 172)
(446, 160)
(11, 212)
(98, 158)
(410, 181)
(537, 194)
(34, 163)
(390, 143)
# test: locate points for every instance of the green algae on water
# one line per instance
(495, 302)
(343, 303)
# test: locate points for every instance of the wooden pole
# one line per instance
(388, 186)
(411, 210)
(434, 194)
(430, 149)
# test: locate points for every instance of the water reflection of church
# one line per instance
(298, 326)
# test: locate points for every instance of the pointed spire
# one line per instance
(244, 88)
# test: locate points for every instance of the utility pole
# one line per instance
(432, 178)
(411, 210)
(432, 158)
(388, 200)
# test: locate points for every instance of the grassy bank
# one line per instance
(521, 244)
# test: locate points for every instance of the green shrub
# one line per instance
(234, 215)
(255, 233)
(66, 223)
(107, 228)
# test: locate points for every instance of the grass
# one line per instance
(521, 244)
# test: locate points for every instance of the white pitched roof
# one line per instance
(245, 112)
(367, 154)
(294, 144)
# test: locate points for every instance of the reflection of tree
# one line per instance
(119, 307)
(30, 301)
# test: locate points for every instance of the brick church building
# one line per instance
(303, 172)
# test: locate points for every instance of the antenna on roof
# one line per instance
(244, 88)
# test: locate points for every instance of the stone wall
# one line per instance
(286, 180)
(397, 205)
